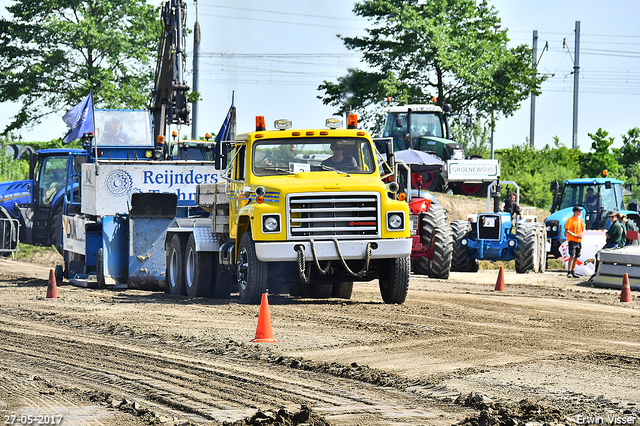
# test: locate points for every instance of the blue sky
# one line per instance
(273, 54)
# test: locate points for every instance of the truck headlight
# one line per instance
(395, 221)
(271, 223)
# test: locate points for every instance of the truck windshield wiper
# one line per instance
(334, 170)
(279, 169)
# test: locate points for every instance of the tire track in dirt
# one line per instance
(200, 388)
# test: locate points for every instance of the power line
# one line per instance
(282, 13)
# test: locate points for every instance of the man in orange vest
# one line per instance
(574, 231)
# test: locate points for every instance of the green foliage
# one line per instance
(11, 169)
(602, 158)
(54, 52)
(476, 139)
(533, 170)
(450, 49)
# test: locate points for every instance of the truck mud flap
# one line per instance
(149, 204)
(613, 264)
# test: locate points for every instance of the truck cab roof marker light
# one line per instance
(334, 123)
(282, 124)
(260, 126)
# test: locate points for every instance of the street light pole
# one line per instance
(496, 26)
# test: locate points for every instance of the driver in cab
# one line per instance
(339, 160)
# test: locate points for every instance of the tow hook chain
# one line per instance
(305, 272)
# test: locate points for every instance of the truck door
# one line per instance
(237, 185)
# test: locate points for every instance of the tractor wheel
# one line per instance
(435, 216)
(197, 270)
(543, 248)
(394, 280)
(342, 290)
(526, 252)
(460, 260)
(252, 273)
(440, 265)
(174, 280)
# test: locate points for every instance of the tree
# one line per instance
(450, 49)
(54, 52)
(592, 164)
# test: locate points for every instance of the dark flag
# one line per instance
(79, 119)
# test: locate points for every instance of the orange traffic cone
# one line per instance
(52, 289)
(264, 333)
(500, 281)
(625, 294)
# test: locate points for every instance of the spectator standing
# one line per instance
(574, 231)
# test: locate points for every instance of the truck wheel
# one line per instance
(440, 265)
(221, 286)
(394, 280)
(252, 273)
(56, 230)
(342, 290)
(197, 270)
(526, 248)
(543, 248)
(100, 269)
(59, 274)
(460, 260)
(174, 283)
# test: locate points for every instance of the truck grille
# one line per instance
(327, 215)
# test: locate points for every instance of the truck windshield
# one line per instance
(290, 156)
(592, 196)
(123, 128)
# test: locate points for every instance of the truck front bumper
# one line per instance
(326, 250)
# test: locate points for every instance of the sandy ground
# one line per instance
(548, 350)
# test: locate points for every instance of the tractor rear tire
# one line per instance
(440, 265)
(435, 216)
(543, 248)
(460, 260)
(526, 248)
(394, 280)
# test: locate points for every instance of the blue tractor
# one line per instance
(31, 210)
(596, 197)
(497, 236)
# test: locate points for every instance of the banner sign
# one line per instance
(473, 170)
(108, 191)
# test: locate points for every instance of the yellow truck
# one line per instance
(299, 212)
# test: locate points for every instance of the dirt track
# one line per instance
(100, 357)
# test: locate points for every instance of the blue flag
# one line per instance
(225, 131)
(79, 119)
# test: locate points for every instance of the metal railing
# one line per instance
(9, 236)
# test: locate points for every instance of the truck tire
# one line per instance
(59, 274)
(221, 286)
(435, 216)
(342, 290)
(440, 265)
(460, 260)
(100, 269)
(55, 230)
(543, 248)
(394, 280)
(526, 248)
(174, 283)
(252, 273)
(197, 270)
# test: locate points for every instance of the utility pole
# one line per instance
(196, 57)
(534, 64)
(576, 73)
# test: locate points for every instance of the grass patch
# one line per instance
(28, 252)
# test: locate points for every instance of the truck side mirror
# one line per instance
(399, 122)
(447, 108)
(33, 159)
(608, 185)
(554, 185)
